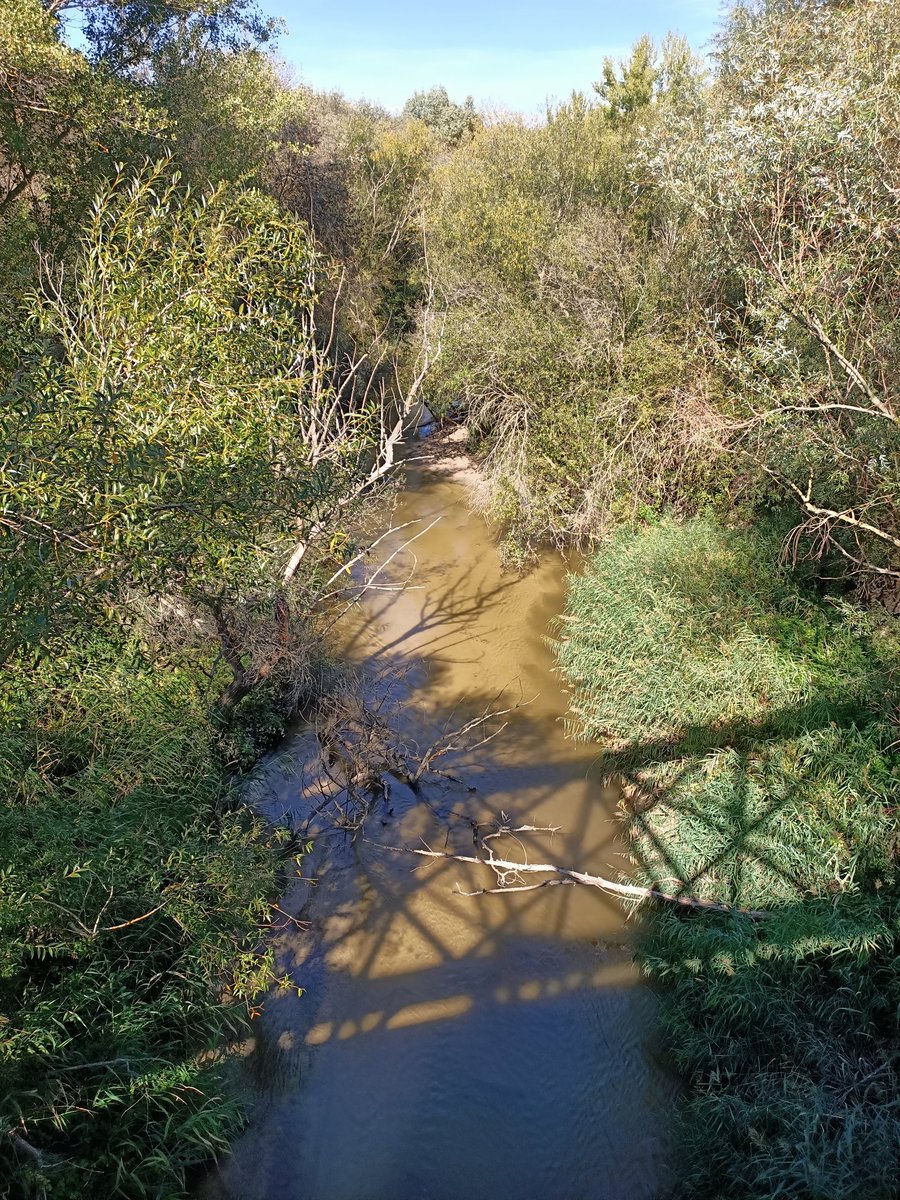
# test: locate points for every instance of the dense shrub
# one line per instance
(567, 337)
(131, 899)
(784, 177)
(191, 394)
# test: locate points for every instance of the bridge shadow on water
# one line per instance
(448, 1046)
(451, 1047)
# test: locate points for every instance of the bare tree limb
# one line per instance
(506, 869)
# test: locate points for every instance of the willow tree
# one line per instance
(140, 80)
(59, 116)
(178, 421)
(63, 123)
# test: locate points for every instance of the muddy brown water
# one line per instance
(450, 1047)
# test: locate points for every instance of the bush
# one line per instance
(568, 333)
(131, 897)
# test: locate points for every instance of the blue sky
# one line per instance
(506, 54)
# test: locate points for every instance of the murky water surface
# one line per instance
(453, 1048)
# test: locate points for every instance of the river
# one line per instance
(497, 1047)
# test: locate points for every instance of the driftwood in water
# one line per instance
(509, 872)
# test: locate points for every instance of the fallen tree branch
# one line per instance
(369, 584)
(453, 740)
(569, 876)
(345, 568)
(518, 887)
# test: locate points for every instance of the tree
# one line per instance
(628, 90)
(177, 76)
(178, 411)
(449, 121)
(229, 113)
(127, 35)
(570, 313)
(62, 125)
(791, 168)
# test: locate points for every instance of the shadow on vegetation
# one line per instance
(784, 1028)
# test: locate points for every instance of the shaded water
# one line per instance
(453, 1048)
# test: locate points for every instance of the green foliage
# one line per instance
(358, 177)
(790, 164)
(229, 113)
(131, 895)
(171, 385)
(391, 167)
(450, 122)
(128, 35)
(775, 817)
(629, 90)
(572, 445)
(500, 198)
(171, 414)
(753, 729)
(63, 123)
(787, 1035)
(742, 644)
(178, 75)
(786, 1029)
(568, 338)
(653, 82)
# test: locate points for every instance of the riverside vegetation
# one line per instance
(667, 315)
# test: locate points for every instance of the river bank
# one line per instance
(498, 1046)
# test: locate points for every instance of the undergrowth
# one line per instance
(133, 892)
(753, 726)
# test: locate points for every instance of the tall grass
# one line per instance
(753, 726)
(689, 626)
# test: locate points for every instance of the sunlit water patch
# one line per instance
(450, 1047)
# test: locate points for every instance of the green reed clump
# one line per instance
(132, 893)
(753, 728)
(778, 817)
(786, 1033)
(688, 626)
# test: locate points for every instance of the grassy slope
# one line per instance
(753, 728)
